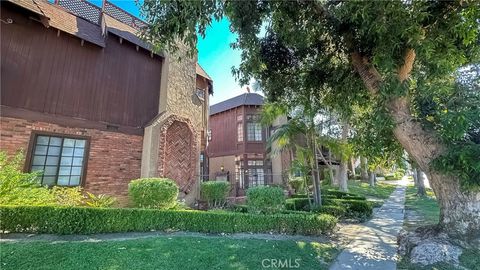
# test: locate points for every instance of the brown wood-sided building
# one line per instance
(91, 105)
(237, 145)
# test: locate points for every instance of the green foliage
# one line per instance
(297, 183)
(215, 192)
(68, 196)
(334, 210)
(357, 209)
(83, 220)
(344, 195)
(101, 200)
(19, 188)
(298, 204)
(302, 51)
(160, 193)
(264, 199)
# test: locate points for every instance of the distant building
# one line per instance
(237, 145)
(92, 105)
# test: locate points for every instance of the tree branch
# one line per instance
(367, 72)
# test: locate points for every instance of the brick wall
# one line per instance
(114, 158)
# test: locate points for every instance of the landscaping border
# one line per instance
(84, 220)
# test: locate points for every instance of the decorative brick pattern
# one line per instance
(178, 150)
(114, 158)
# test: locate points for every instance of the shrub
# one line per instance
(158, 193)
(264, 199)
(293, 196)
(215, 192)
(300, 204)
(19, 188)
(334, 210)
(101, 200)
(239, 208)
(297, 183)
(354, 208)
(343, 195)
(68, 196)
(84, 220)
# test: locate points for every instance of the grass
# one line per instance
(426, 207)
(380, 191)
(428, 211)
(177, 252)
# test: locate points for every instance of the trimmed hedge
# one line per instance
(344, 195)
(83, 220)
(158, 193)
(354, 208)
(299, 204)
(334, 210)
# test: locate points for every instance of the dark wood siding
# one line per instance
(52, 74)
(224, 134)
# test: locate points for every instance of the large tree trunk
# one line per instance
(364, 169)
(314, 170)
(420, 183)
(372, 179)
(352, 165)
(342, 176)
(342, 172)
(459, 209)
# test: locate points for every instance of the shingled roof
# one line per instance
(241, 100)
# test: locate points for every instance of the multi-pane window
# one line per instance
(254, 131)
(240, 132)
(254, 128)
(61, 159)
(256, 175)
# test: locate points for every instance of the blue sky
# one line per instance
(214, 54)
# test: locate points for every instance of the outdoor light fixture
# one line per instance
(222, 168)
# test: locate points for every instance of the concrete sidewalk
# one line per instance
(374, 243)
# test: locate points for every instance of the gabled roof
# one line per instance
(241, 100)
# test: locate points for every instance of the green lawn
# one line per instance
(426, 207)
(176, 252)
(380, 191)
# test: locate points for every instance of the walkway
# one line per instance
(374, 243)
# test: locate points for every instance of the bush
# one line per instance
(239, 208)
(343, 195)
(297, 183)
(158, 193)
(215, 193)
(84, 220)
(358, 209)
(334, 210)
(298, 204)
(264, 199)
(68, 196)
(101, 200)
(19, 188)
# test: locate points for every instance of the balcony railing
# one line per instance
(92, 13)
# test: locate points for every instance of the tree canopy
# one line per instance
(312, 46)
